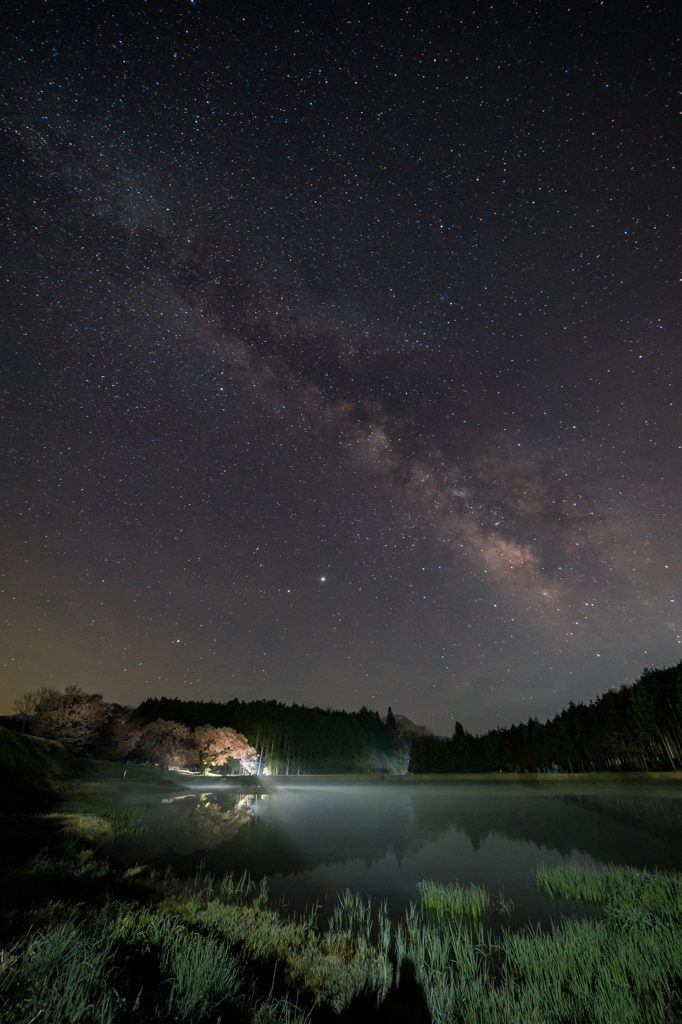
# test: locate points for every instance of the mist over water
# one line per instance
(313, 841)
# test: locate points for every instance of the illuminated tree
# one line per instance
(216, 746)
(169, 743)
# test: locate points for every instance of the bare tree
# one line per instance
(27, 703)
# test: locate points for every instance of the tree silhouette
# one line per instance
(74, 718)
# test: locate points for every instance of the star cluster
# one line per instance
(341, 353)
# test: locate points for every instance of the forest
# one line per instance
(634, 728)
(294, 739)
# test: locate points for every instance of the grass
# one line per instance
(122, 960)
(36, 772)
(470, 901)
(207, 950)
(552, 780)
(616, 888)
(126, 962)
(90, 944)
(625, 967)
(331, 967)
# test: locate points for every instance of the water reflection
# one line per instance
(641, 830)
(312, 841)
(660, 818)
(183, 825)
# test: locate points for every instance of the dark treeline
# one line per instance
(636, 728)
(290, 740)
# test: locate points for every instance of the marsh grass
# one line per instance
(621, 969)
(98, 815)
(129, 963)
(73, 863)
(331, 966)
(123, 960)
(214, 948)
(235, 892)
(462, 901)
(612, 886)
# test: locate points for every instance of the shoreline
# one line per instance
(668, 782)
(521, 778)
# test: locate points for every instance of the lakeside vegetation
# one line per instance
(84, 941)
(90, 944)
(293, 739)
(636, 728)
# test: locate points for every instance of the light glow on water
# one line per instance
(312, 841)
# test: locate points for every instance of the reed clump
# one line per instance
(351, 957)
(624, 967)
(331, 966)
(130, 963)
(613, 887)
(462, 901)
(123, 960)
(206, 950)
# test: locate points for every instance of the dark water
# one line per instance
(380, 840)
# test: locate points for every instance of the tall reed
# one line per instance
(472, 901)
(191, 961)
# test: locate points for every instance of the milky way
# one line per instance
(341, 354)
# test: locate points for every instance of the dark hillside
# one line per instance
(35, 772)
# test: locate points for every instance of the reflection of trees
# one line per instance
(299, 834)
(659, 817)
(293, 831)
(187, 824)
(641, 830)
(208, 825)
(285, 835)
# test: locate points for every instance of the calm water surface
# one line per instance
(312, 842)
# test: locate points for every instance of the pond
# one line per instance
(313, 841)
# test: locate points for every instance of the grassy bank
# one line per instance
(36, 772)
(47, 794)
(86, 942)
(556, 779)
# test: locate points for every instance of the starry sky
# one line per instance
(340, 356)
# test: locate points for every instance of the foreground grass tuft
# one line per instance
(216, 950)
(617, 888)
(623, 969)
(122, 961)
(470, 901)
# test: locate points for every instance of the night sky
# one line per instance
(340, 355)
